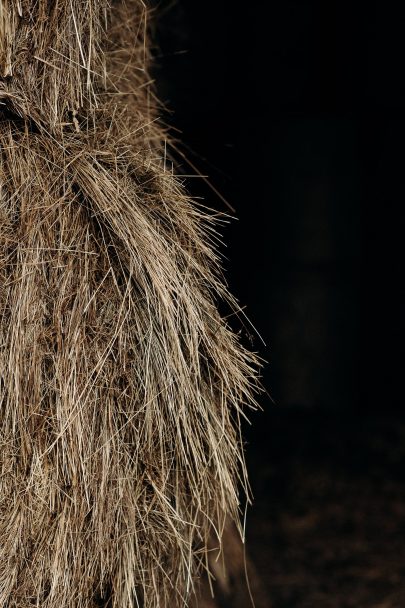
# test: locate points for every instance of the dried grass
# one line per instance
(121, 388)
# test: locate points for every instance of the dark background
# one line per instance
(295, 111)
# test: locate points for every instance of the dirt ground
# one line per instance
(327, 528)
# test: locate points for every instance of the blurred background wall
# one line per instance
(295, 111)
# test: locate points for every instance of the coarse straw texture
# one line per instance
(121, 387)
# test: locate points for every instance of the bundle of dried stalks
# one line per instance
(121, 388)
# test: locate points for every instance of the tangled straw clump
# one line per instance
(121, 387)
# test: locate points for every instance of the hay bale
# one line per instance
(121, 387)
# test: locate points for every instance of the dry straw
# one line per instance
(121, 388)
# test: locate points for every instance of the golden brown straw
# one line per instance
(121, 387)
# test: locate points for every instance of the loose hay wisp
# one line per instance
(121, 388)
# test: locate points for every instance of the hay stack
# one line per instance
(121, 387)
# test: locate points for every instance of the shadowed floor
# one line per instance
(328, 524)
